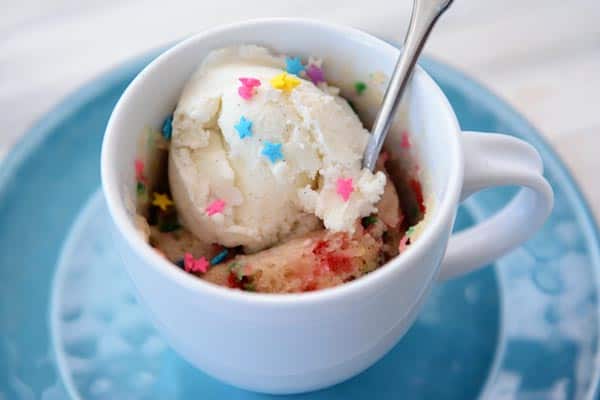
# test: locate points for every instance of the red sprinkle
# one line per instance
(405, 143)
(319, 247)
(384, 156)
(310, 286)
(232, 281)
(139, 170)
(415, 185)
(339, 263)
(331, 259)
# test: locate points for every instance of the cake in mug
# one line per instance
(255, 181)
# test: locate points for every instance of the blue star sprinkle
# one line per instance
(293, 65)
(272, 151)
(167, 128)
(244, 127)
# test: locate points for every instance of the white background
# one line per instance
(543, 56)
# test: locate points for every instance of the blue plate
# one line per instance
(70, 325)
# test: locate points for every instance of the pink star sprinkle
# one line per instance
(190, 264)
(215, 207)
(246, 91)
(315, 74)
(405, 143)
(139, 170)
(344, 188)
(250, 82)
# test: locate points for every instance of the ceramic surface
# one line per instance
(301, 342)
(483, 333)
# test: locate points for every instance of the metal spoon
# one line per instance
(424, 16)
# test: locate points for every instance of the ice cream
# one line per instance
(264, 189)
(261, 160)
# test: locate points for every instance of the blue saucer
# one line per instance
(70, 324)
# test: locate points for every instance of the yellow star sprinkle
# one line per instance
(285, 82)
(162, 200)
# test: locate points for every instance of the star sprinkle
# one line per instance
(190, 264)
(272, 151)
(139, 170)
(216, 207)
(244, 127)
(219, 257)
(360, 87)
(250, 82)
(315, 74)
(344, 188)
(405, 141)
(285, 82)
(248, 88)
(293, 65)
(246, 92)
(167, 128)
(162, 201)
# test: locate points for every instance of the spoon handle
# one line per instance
(424, 15)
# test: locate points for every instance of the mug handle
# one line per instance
(498, 160)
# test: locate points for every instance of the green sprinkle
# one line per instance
(237, 269)
(141, 188)
(168, 222)
(249, 287)
(169, 226)
(368, 221)
(150, 139)
(232, 266)
(410, 231)
(239, 272)
(360, 87)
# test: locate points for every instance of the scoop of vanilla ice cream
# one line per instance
(322, 140)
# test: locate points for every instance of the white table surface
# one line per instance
(542, 56)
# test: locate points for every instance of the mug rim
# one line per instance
(445, 207)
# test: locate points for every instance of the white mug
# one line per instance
(300, 342)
